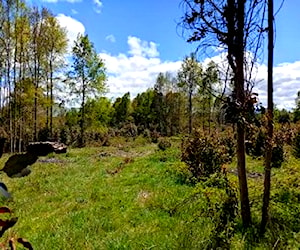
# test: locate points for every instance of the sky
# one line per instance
(137, 39)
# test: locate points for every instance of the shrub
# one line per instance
(205, 155)
(256, 145)
(164, 144)
(129, 130)
(277, 155)
(154, 136)
(296, 145)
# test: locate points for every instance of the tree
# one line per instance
(87, 75)
(235, 26)
(189, 77)
(121, 110)
(55, 48)
(142, 109)
(269, 149)
(163, 85)
(207, 91)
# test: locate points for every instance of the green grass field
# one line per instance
(131, 196)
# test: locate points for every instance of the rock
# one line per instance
(45, 148)
(24, 172)
(50, 160)
(104, 154)
(17, 163)
(3, 191)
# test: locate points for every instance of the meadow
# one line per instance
(132, 195)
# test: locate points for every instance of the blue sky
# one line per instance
(139, 38)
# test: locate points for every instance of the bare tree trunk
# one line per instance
(267, 180)
(240, 95)
(51, 98)
(82, 139)
(190, 111)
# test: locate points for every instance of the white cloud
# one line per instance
(286, 80)
(73, 27)
(110, 38)
(137, 47)
(98, 6)
(135, 71)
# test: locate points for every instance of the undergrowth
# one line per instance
(132, 195)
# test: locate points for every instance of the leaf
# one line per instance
(25, 243)
(6, 224)
(4, 210)
(12, 245)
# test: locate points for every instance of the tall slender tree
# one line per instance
(189, 78)
(87, 75)
(55, 49)
(236, 26)
(268, 156)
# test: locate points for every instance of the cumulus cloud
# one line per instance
(110, 38)
(136, 70)
(97, 6)
(142, 48)
(72, 26)
(286, 78)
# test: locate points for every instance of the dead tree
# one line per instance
(268, 159)
(237, 27)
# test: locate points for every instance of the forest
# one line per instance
(186, 164)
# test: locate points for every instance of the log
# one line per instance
(17, 163)
(45, 148)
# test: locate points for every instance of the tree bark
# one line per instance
(190, 110)
(267, 180)
(240, 95)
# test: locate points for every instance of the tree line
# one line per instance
(35, 65)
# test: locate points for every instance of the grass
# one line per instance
(129, 196)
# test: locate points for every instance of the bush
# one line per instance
(164, 144)
(256, 146)
(277, 155)
(154, 136)
(296, 145)
(206, 155)
(129, 130)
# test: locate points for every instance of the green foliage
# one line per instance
(256, 146)
(99, 112)
(278, 156)
(219, 205)
(121, 110)
(87, 77)
(145, 202)
(142, 106)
